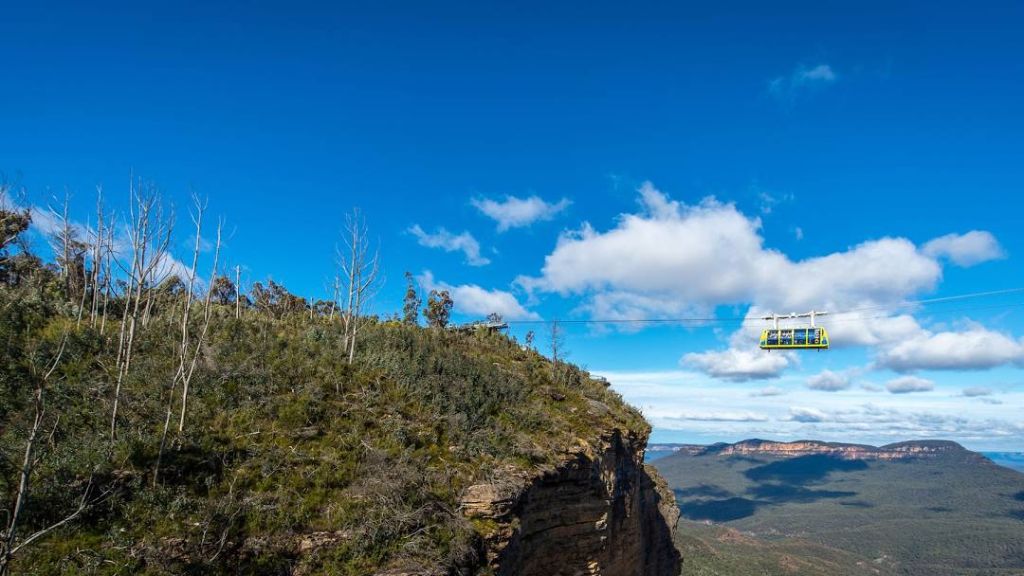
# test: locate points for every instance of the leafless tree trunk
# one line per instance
(97, 259)
(238, 292)
(149, 234)
(361, 271)
(107, 277)
(183, 344)
(9, 543)
(60, 241)
(557, 345)
(335, 294)
(201, 341)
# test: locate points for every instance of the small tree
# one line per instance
(529, 339)
(439, 308)
(411, 302)
(494, 318)
(223, 291)
(557, 342)
(12, 223)
(359, 270)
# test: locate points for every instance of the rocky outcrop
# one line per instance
(600, 512)
(899, 451)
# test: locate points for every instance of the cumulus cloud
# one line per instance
(449, 242)
(514, 212)
(828, 381)
(965, 250)
(975, 391)
(738, 364)
(908, 384)
(476, 301)
(720, 417)
(804, 414)
(672, 259)
(973, 349)
(710, 254)
(801, 80)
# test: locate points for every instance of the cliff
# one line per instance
(898, 451)
(295, 461)
(599, 512)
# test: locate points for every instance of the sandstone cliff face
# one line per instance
(601, 512)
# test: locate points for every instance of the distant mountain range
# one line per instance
(809, 507)
(1012, 460)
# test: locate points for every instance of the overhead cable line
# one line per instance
(741, 319)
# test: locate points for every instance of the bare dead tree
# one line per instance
(238, 292)
(61, 238)
(97, 258)
(335, 296)
(557, 343)
(204, 330)
(360, 271)
(183, 344)
(107, 260)
(149, 234)
(10, 544)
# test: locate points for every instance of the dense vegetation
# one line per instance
(955, 513)
(289, 458)
(713, 550)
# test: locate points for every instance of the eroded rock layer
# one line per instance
(601, 512)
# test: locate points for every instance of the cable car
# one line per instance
(799, 338)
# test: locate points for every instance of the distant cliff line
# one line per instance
(752, 447)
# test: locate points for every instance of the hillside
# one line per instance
(908, 508)
(290, 459)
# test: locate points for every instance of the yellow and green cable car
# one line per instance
(800, 338)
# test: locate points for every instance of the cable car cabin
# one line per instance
(794, 339)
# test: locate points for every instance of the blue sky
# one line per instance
(593, 160)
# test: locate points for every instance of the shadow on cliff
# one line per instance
(803, 469)
(725, 510)
(702, 491)
(785, 493)
(781, 482)
(661, 557)
(736, 507)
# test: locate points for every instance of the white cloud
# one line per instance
(828, 381)
(514, 212)
(768, 392)
(710, 254)
(853, 416)
(804, 414)
(721, 417)
(965, 250)
(802, 79)
(973, 349)
(738, 364)
(908, 384)
(476, 301)
(449, 242)
(975, 391)
(671, 259)
(821, 72)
